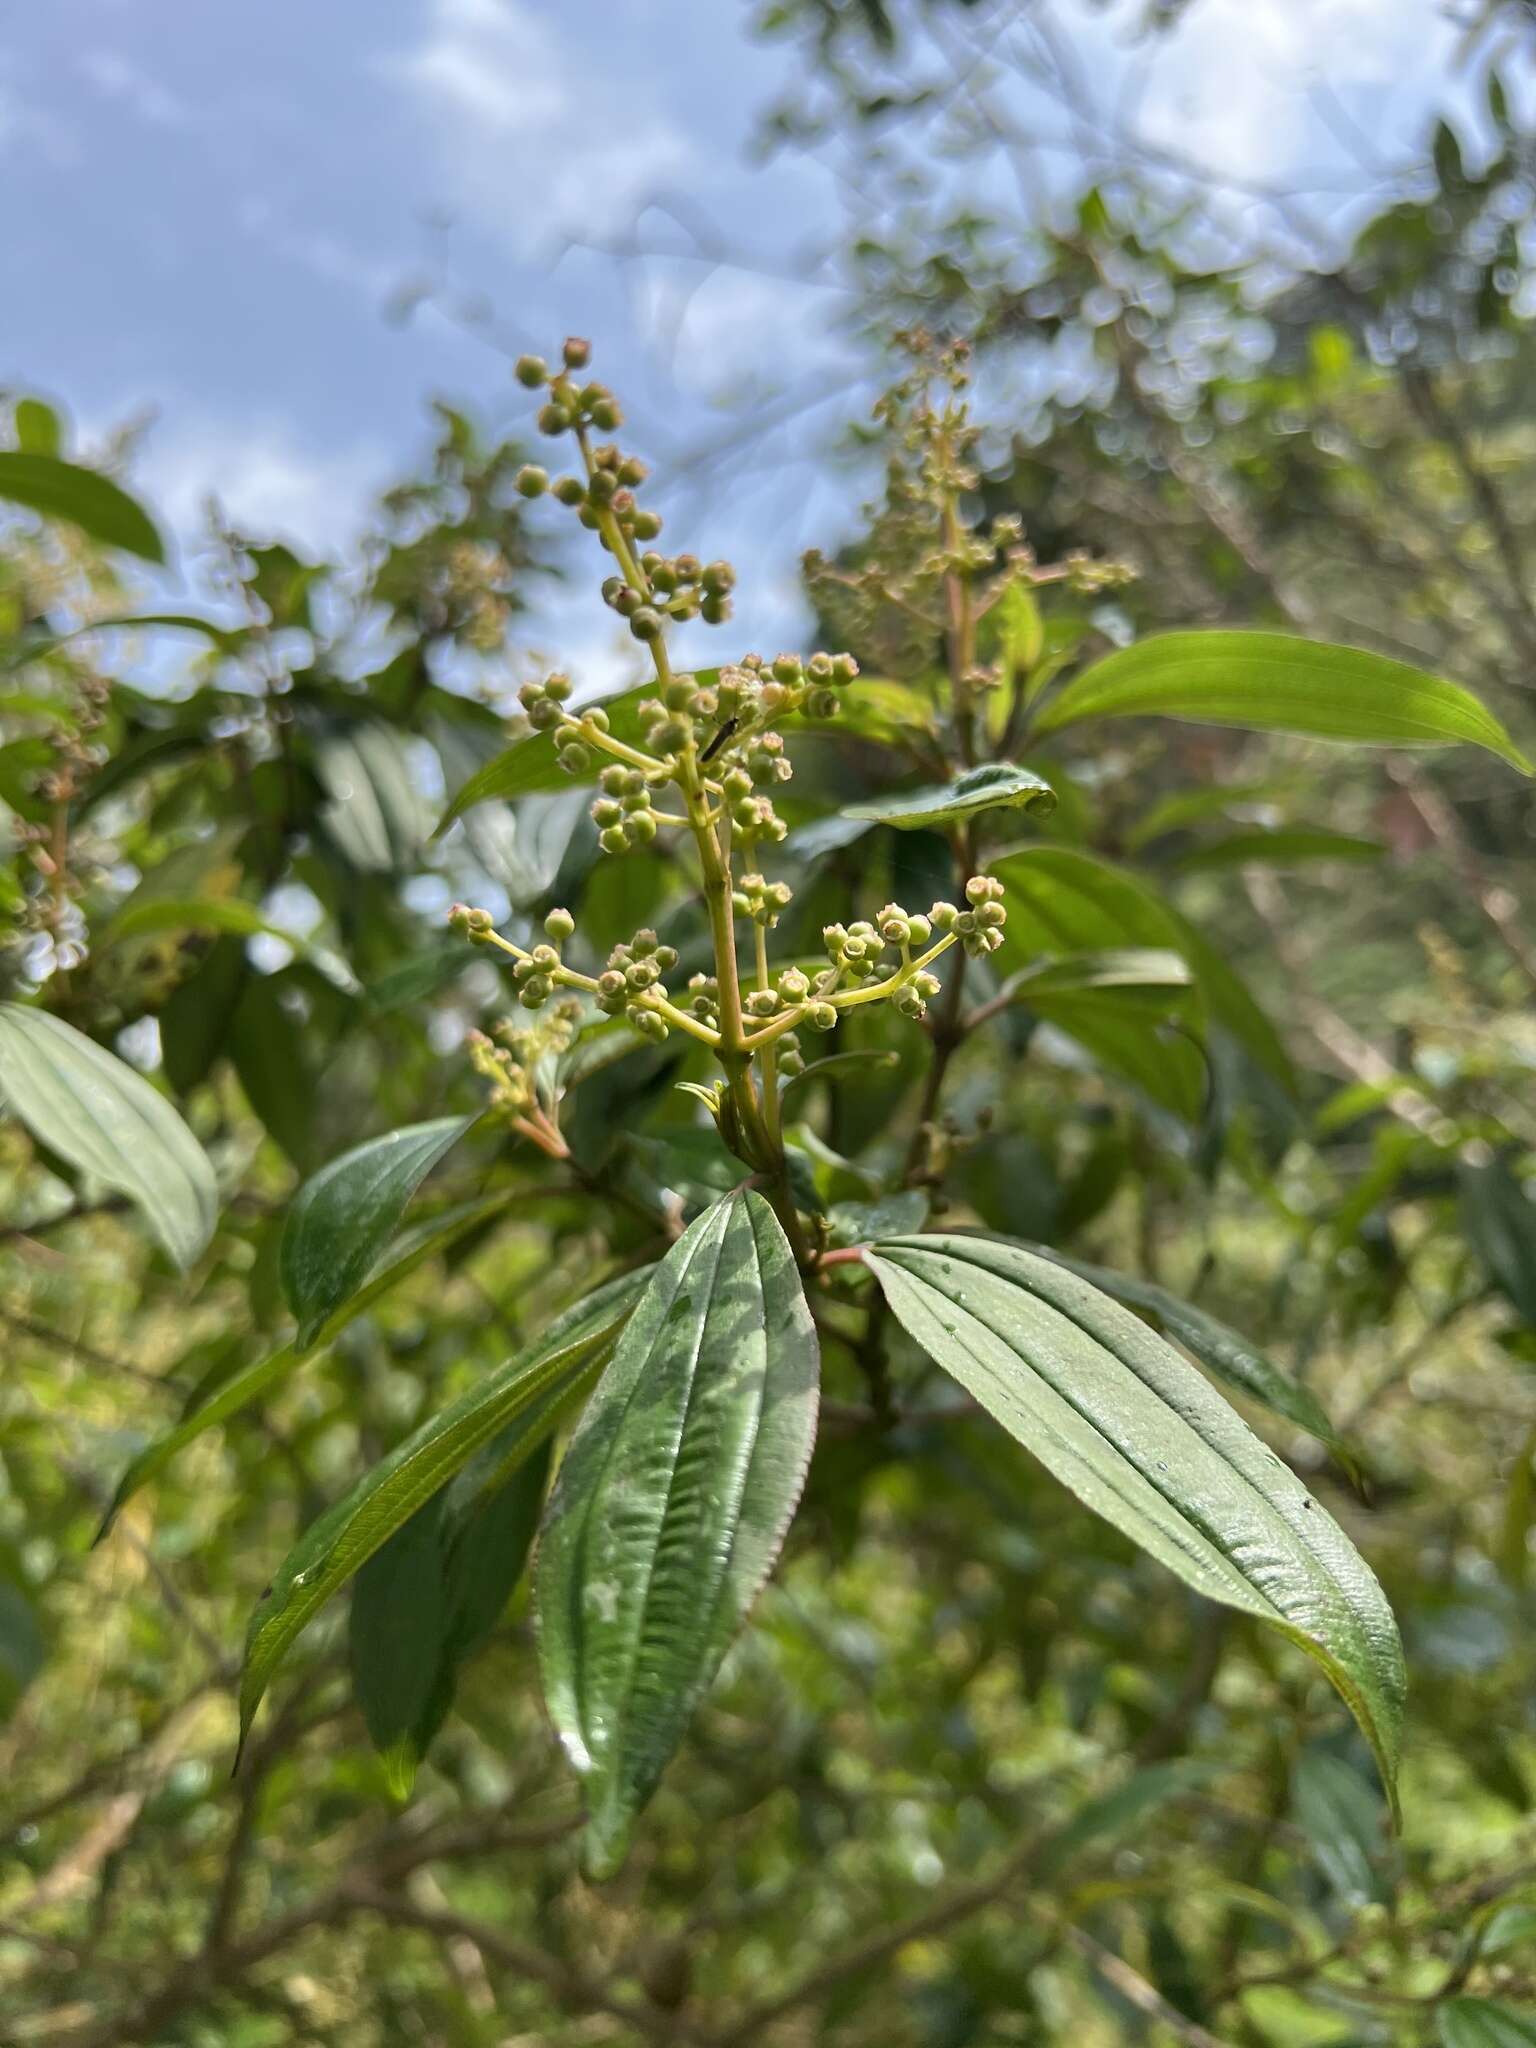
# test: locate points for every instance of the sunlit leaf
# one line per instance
(998, 785)
(94, 1111)
(1275, 682)
(1144, 1441)
(342, 1218)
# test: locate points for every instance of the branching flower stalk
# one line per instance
(715, 741)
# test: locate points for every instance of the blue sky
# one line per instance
(211, 203)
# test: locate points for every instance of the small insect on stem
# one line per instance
(719, 740)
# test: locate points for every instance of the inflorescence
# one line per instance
(715, 740)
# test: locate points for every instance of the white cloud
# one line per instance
(268, 485)
(1235, 85)
(116, 78)
(534, 139)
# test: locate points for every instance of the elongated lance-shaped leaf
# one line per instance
(86, 498)
(342, 1218)
(1144, 1440)
(1275, 682)
(530, 1389)
(258, 1378)
(1218, 1347)
(428, 1599)
(672, 1505)
(85, 1104)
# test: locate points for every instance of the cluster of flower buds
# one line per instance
(635, 969)
(703, 1000)
(624, 813)
(979, 927)
(761, 900)
(534, 974)
(678, 587)
(513, 1053)
(667, 586)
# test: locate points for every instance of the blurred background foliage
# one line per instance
(976, 1774)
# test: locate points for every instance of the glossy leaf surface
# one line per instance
(342, 1219)
(672, 1504)
(997, 785)
(529, 1393)
(1276, 682)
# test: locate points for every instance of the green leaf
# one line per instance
(1500, 1222)
(672, 1504)
(342, 1219)
(37, 427)
(1129, 970)
(1340, 1813)
(22, 1649)
(252, 1381)
(530, 1391)
(1275, 682)
(1484, 2023)
(1217, 1346)
(1144, 1441)
(268, 1051)
(1061, 902)
(996, 785)
(86, 498)
(376, 813)
(427, 1601)
(395, 1632)
(94, 1111)
(1285, 846)
(196, 1019)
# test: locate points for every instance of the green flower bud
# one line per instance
(531, 481)
(575, 759)
(606, 812)
(606, 416)
(559, 924)
(553, 418)
(613, 839)
(543, 716)
(531, 371)
(641, 828)
(922, 931)
(570, 490)
(597, 718)
(646, 624)
(821, 1017)
(577, 353)
(647, 524)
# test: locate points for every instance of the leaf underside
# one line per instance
(93, 1110)
(1143, 1440)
